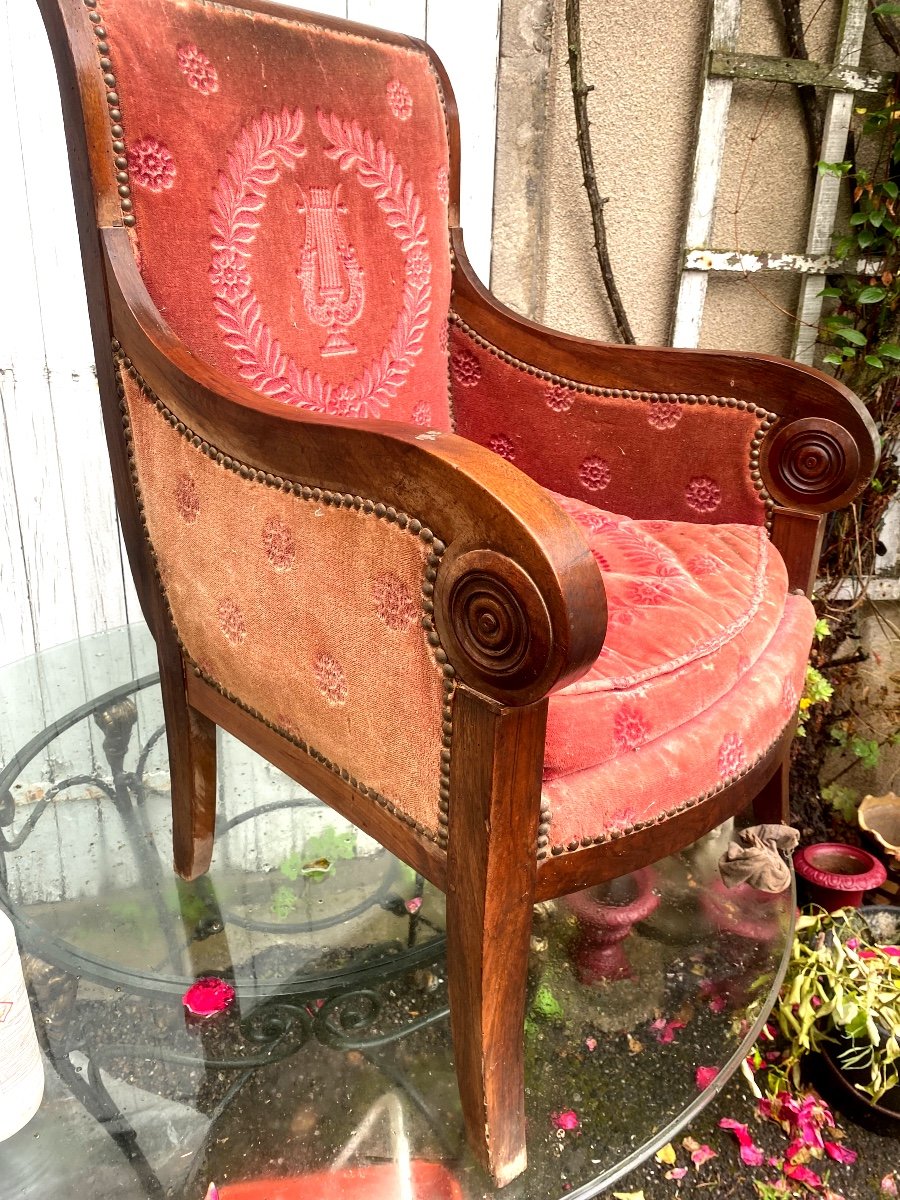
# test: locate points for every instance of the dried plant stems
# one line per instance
(580, 92)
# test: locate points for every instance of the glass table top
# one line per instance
(331, 1073)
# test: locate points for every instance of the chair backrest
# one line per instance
(286, 187)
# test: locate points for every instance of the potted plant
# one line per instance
(841, 997)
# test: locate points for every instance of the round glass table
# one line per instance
(331, 1073)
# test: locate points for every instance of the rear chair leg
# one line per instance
(772, 803)
(191, 739)
(491, 871)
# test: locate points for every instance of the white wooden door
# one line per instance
(63, 573)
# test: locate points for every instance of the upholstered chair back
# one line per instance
(286, 188)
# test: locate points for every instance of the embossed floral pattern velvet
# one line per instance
(310, 614)
(648, 457)
(653, 775)
(289, 186)
(691, 608)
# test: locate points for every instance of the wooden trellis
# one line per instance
(842, 80)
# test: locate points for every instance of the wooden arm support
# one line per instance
(519, 601)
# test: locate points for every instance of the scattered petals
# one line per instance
(666, 1155)
(705, 1075)
(665, 1030)
(565, 1120)
(718, 1004)
(889, 1185)
(413, 906)
(751, 1154)
(212, 1192)
(208, 997)
(676, 1173)
(841, 1154)
(702, 1154)
(591, 1044)
(803, 1175)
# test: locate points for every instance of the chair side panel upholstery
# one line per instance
(286, 189)
(305, 611)
(648, 455)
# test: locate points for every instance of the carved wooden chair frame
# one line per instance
(514, 602)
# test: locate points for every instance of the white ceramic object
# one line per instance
(21, 1067)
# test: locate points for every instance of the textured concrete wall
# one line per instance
(645, 59)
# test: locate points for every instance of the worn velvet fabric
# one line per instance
(309, 613)
(290, 187)
(695, 758)
(672, 456)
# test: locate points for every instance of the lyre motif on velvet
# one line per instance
(331, 278)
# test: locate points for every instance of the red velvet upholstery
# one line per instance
(691, 609)
(289, 189)
(286, 187)
(671, 456)
(693, 760)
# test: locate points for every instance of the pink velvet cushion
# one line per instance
(694, 610)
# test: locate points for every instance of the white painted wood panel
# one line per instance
(63, 570)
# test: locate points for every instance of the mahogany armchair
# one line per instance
(362, 499)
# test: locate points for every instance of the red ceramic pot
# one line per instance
(836, 875)
(605, 916)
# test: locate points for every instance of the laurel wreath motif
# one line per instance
(263, 149)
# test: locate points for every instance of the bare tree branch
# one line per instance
(580, 92)
(890, 34)
(812, 108)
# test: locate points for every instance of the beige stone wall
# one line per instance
(645, 59)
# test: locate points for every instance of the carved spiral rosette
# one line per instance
(812, 463)
(494, 624)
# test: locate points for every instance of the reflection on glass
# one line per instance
(331, 1072)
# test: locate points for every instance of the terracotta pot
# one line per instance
(606, 915)
(837, 875)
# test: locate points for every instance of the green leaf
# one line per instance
(876, 218)
(889, 350)
(874, 361)
(890, 188)
(858, 218)
(871, 295)
(886, 10)
(852, 335)
(835, 168)
(821, 629)
(865, 238)
(831, 292)
(835, 360)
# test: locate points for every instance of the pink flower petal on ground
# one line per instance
(704, 1076)
(841, 1154)
(565, 1120)
(702, 1154)
(889, 1185)
(413, 906)
(591, 1043)
(676, 1173)
(208, 997)
(803, 1175)
(665, 1030)
(718, 1004)
(751, 1154)
(212, 1192)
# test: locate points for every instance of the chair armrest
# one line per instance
(764, 430)
(518, 604)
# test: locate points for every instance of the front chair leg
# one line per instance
(491, 868)
(191, 739)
